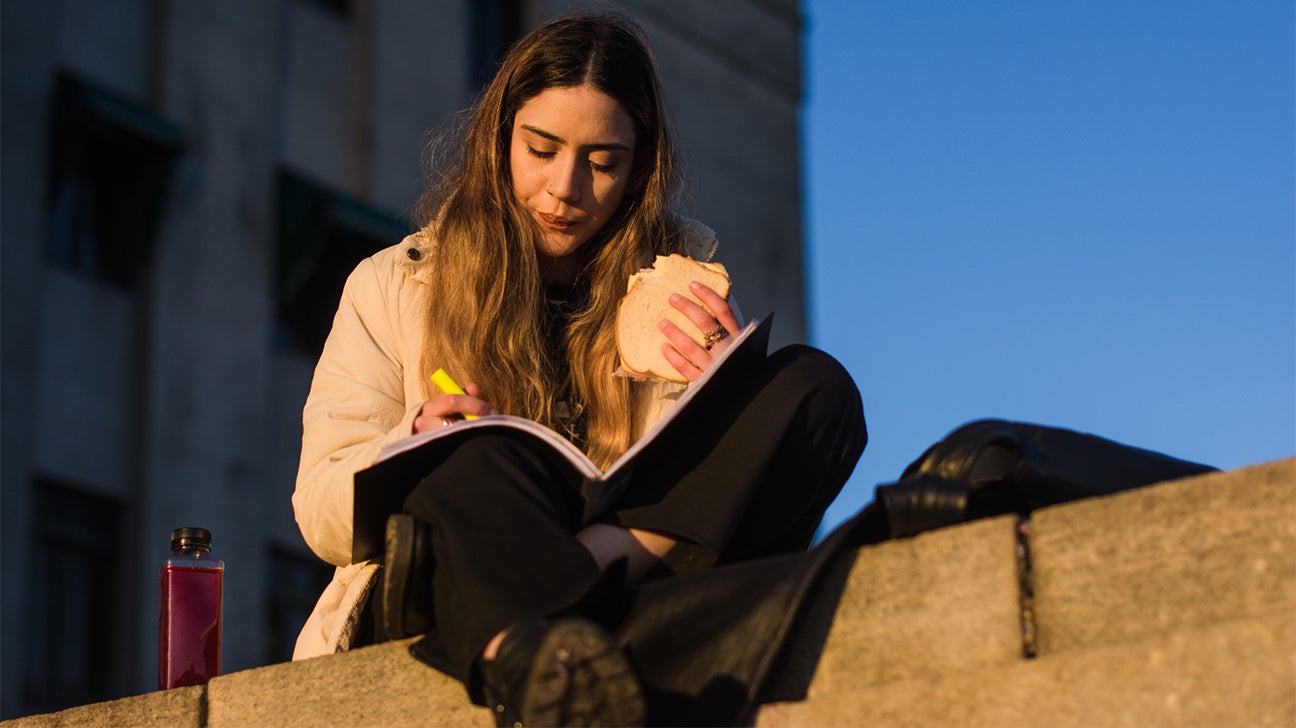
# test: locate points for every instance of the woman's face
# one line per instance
(570, 157)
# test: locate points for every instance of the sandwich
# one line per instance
(647, 301)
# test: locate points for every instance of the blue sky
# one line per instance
(1075, 212)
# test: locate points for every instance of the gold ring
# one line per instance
(710, 338)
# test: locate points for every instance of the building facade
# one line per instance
(185, 184)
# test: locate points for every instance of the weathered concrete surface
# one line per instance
(936, 604)
(1169, 605)
(1215, 547)
(1238, 673)
(1173, 605)
(178, 708)
(373, 686)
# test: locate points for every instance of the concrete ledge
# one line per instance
(1170, 605)
(1214, 547)
(938, 603)
(1239, 673)
(178, 708)
(372, 686)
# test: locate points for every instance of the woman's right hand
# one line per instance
(447, 409)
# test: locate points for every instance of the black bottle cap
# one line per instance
(191, 537)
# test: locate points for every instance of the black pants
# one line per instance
(754, 482)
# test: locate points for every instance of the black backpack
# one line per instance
(995, 467)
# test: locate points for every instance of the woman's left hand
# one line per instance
(714, 326)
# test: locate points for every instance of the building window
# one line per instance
(111, 164)
(321, 235)
(72, 630)
(495, 25)
(294, 584)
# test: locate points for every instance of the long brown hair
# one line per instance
(486, 302)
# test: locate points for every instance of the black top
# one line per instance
(561, 304)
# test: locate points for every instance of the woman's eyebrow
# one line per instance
(606, 146)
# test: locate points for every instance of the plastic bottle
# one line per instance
(189, 615)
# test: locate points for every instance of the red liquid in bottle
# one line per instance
(189, 621)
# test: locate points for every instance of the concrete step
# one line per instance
(939, 603)
(1160, 606)
(373, 686)
(1170, 605)
(178, 708)
(1217, 547)
(1234, 673)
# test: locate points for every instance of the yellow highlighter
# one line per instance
(447, 384)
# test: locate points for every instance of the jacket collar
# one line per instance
(415, 258)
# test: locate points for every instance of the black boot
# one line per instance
(565, 673)
(407, 581)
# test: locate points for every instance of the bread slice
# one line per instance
(647, 301)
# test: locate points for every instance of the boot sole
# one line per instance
(580, 677)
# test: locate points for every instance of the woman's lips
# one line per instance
(555, 222)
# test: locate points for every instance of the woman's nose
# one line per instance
(564, 183)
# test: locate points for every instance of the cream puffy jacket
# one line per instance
(362, 398)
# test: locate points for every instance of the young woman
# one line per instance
(565, 186)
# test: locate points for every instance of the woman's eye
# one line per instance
(539, 154)
(605, 168)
